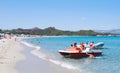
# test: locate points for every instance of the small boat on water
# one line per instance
(99, 45)
(82, 50)
(77, 54)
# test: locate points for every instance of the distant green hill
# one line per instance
(52, 31)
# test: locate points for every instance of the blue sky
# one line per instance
(63, 14)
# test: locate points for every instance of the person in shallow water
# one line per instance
(71, 48)
(82, 46)
(88, 52)
(71, 45)
(75, 45)
(91, 45)
(75, 48)
(91, 56)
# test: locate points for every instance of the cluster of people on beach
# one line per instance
(87, 48)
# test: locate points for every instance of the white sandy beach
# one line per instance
(10, 55)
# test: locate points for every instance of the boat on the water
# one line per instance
(77, 54)
(99, 45)
(82, 50)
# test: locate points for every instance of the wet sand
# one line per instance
(33, 64)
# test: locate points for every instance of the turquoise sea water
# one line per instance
(47, 48)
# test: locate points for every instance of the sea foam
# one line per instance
(63, 64)
(38, 54)
(35, 51)
(41, 55)
(30, 45)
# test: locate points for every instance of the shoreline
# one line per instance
(16, 58)
(33, 64)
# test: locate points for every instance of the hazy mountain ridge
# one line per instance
(54, 31)
(113, 31)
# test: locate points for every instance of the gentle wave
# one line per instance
(30, 45)
(35, 51)
(99, 57)
(44, 57)
(62, 64)
(39, 54)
